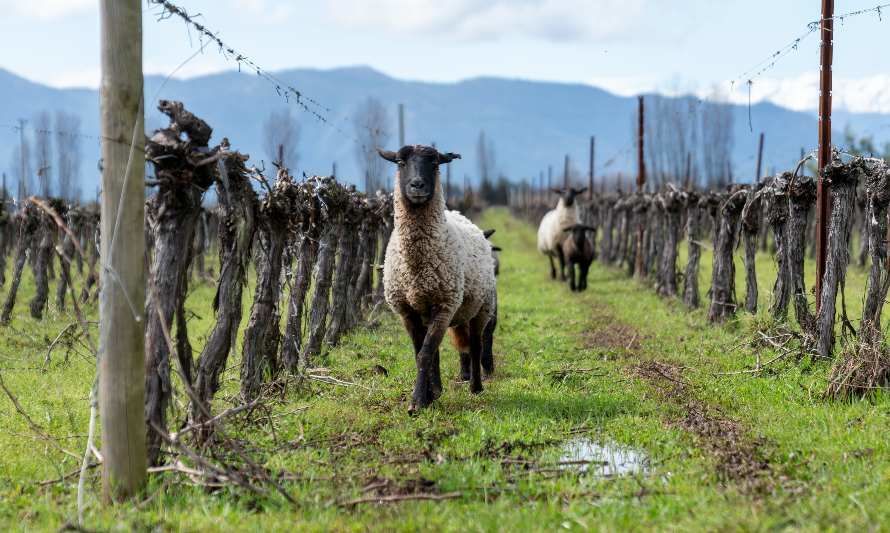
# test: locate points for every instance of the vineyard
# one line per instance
(221, 339)
(278, 380)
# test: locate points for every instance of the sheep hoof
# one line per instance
(420, 400)
(476, 388)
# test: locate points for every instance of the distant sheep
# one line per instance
(438, 273)
(579, 251)
(550, 232)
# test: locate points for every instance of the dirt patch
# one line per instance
(611, 336)
(739, 458)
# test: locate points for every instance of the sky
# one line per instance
(625, 46)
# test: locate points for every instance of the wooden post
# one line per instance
(688, 180)
(549, 177)
(565, 174)
(590, 171)
(23, 186)
(641, 182)
(759, 159)
(823, 191)
(334, 172)
(401, 125)
(122, 299)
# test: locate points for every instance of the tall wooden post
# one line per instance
(823, 191)
(122, 253)
(590, 171)
(401, 125)
(549, 177)
(23, 162)
(566, 181)
(759, 159)
(641, 182)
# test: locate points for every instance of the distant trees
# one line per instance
(372, 131)
(20, 164)
(46, 159)
(687, 140)
(864, 146)
(68, 155)
(281, 134)
(43, 153)
(717, 140)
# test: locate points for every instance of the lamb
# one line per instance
(578, 250)
(438, 273)
(550, 232)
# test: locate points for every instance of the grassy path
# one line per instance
(614, 365)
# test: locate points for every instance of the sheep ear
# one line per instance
(392, 157)
(488, 233)
(447, 158)
(496, 249)
(580, 191)
(556, 190)
(570, 228)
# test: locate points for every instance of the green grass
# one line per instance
(830, 459)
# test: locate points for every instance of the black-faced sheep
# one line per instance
(579, 251)
(550, 232)
(438, 272)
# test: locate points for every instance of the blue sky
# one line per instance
(627, 46)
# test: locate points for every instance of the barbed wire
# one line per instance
(290, 93)
(770, 61)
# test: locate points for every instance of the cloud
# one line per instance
(479, 20)
(868, 94)
(47, 9)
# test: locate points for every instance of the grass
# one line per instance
(568, 368)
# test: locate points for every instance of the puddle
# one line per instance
(603, 459)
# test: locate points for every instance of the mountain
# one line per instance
(533, 124)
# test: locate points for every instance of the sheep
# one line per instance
(488, 334)
(550, 232)
(578, 250)
(438, 273)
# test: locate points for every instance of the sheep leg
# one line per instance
(436, 376)
(460, 337)
(562, 263)
(572, 284)
(477, 325)
(585, 269)
(417, 332)
(488, 344)
(552, 267)
(426, 359)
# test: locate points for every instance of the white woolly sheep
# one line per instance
(550, 231)
(438, 272)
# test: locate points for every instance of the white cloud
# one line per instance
(869, 94)
(88, 78)
(46, 9)
(474, 20)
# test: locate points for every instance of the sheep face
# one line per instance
(579, 235)
(568, 195)
(418, 178)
